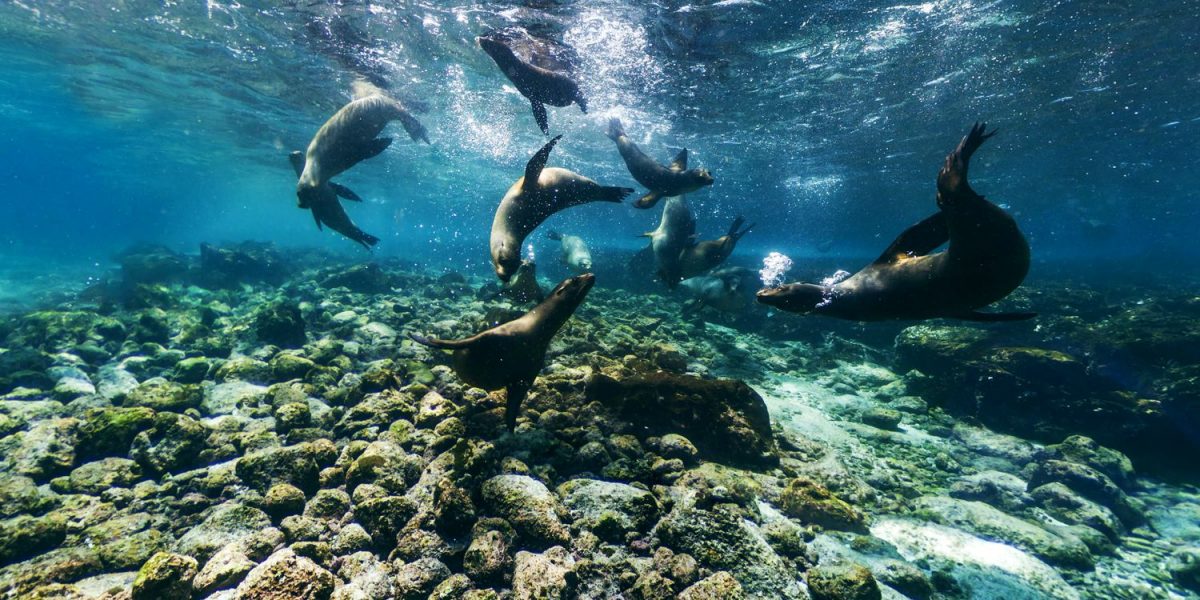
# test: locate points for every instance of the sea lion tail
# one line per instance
(615, 129)
(367, 240)
(609, 193)
(554, 235)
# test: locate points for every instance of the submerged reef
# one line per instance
(255, 424)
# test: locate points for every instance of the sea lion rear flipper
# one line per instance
(612, 193)
(539, 115)
(649, 200)
(996, 317)
(297, 159)
(367, 240)
(680, 162)
(615, 129)
(441, 344)
(918, 240)
(533, 169)
(344, 192)
(952, 179)
(582, 102)
(514, 395)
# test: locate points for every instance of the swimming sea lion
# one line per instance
(511, 355)
(327, 210)
(524, 286)
(672, 180)
(710, 253)
(674, 235)
(542, 192)
(540, 86)
(722, 293)
(348, 137)
(987, 258)
(575, 253)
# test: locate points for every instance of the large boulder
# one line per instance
(224, 524)
(609, 509)
(812, 503)
(286, 576)
(725, 418)
(165, 576)
(531, 508)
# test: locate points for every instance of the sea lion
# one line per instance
(725, 294)
(510, 355)
(524, 286)
(542, 192)
(575, 253)
(987, 258)
(676, 230)
(672, 180)
(348, 137)
(539, 85)
(327, 210)
(710, 253)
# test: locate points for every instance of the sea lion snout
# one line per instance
(575, 288)
(704, 176)
(793, 297)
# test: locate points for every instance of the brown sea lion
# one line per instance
(524, 286)
(348, 137)
(539, 85)
(987, 258)
(327, 210)
(672, 180)
(510, 355)
(574, 251)
(710, 253)
(542, 192)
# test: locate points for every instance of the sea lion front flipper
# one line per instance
(344, 192)
(514, 395)
(533, 169)
(918, 240)
(297, 159)
(680, 162)
(649, 200)
(318, 221)
(539, 115)
(998, 317)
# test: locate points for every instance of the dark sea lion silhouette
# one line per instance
(348, 137)
(327, 210)
(987, 258)
(672, 180)
(510, 355)
(542, 192)
(711, 253)
(539, 85)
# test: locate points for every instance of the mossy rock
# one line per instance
(24, 536)
(842, 582)
(165, 576)
(812, 503)
(110, 431)
(161, 394)
(280, 323)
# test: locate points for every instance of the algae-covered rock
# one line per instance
(165, 576)
(617, 507)
(726, 419)
(1184, 567)
(287, 365)
(20, 495)
(1063, 504)
(281, 324)
(487, 558)
(1091, 484)
(298, 465)
(283, 499)
(225, 523)
(384, 517)
(98, 476)
(173, 443)
(841, 581)
(1085, 451)
(45, 450)
(366, 278)
(983, 520)
(286, 576)
(1002, 490)
(811, 502)
(526, 503)
(24, 536)
(192, 370)
(224, 570)
(110, 431)
(417, 579)
(163, 395)
(718, 586)
(544, 575)
(350, 539)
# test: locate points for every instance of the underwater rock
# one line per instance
(542, 575)
(286, 576)
(722, 539)
(981, 519)
(367, 278)
(151, 263)
(165, 576)
(842, 581)
(231, 397)
(173, 443)
(19, 495)
(718, 586)
(160, 394)
(1060, 502)
(226, 569)
(1085, 451)
(1091, 484)
(416, 580)
(110, 431)
(24, 536)
(350, 539)
(812, 503)
(1001, 490)
(298, 465)
(225, 523)
(248, 262)
(726, 419)
(1184, 567)
(281, 324)
(128, 541)
(531, 508)
(608, 509)
(487, 558)
(22, 366)
(383, 518)
(283, 499)
(96, 477)
(45, 450)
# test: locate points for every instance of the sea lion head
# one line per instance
(702, 176)
(795, 297)
(507, 261)
(585, 263)
(573, 290)
(307, 195)
(494, 47)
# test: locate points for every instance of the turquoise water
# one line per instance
(134, 132)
